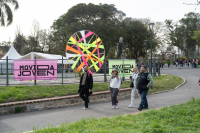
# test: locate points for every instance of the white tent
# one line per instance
(32, 55)
(12, 54)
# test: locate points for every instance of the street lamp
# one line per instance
(120, 46)
(145, 41)
(151, 29)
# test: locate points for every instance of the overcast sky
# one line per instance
(46, 11)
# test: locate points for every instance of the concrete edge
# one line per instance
(170, 89)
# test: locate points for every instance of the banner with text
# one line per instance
(125, 67)
(35, 70)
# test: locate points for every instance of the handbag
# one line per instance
(131, 85)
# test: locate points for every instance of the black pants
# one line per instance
(84, 94)
(114, 93)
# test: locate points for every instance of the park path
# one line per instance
(39, 119)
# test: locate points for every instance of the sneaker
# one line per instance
(146, 107)
(131, 106)
(85, 108)
(140, 109)
(114, 107)
(117, 106)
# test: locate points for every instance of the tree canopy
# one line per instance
(6, 15)
(181, 33)
(106, 21)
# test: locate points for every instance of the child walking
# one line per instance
(115, 84)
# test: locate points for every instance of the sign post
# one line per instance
(125, 67)
(35, 70)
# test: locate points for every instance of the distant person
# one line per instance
(180, 63)
(163, 63)
(195, 63)
(176, 63)
(185, 63)
(188, 63)
(115, 84)
(160, 64)
(168, 63)
(85, 86)
(199, 82)
(143, 82)
(133, 78)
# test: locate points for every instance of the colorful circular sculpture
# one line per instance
(89, 50)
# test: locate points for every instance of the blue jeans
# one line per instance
(143, 102)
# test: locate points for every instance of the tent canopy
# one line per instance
(12, 54)
(32, 55)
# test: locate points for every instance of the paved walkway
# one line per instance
(25, 121)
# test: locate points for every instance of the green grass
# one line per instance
(183, 118)
(21, 93)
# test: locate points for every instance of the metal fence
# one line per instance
(154, 70)
(65, 75)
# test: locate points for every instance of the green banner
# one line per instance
(125, 67)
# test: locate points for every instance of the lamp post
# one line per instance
(145, 41)
(151, 28)
(120, 47)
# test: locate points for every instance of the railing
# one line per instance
(66, 75)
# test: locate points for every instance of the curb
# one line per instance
(171, 89)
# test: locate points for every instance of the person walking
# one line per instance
(185, 63)
(188, 63)
(133, 86)
(168, 63)
(195, 63)
(115, 84)
(144, 80)
(180, 63)
(85, 86)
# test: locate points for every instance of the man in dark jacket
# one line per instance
(168, 63)
(180, 63)
(85, 86)
(143, 82)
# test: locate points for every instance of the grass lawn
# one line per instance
(21, 93)
(183, 118)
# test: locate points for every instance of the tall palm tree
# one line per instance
(6, 15)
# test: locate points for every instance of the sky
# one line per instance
(46, 11)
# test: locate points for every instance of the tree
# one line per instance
(46, 41)
(180, 33)
(135, 34)
(6, 12)
(103, 19)
(20, 41)
(5, 46)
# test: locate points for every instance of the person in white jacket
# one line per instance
(115, 84)
(133, 77)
